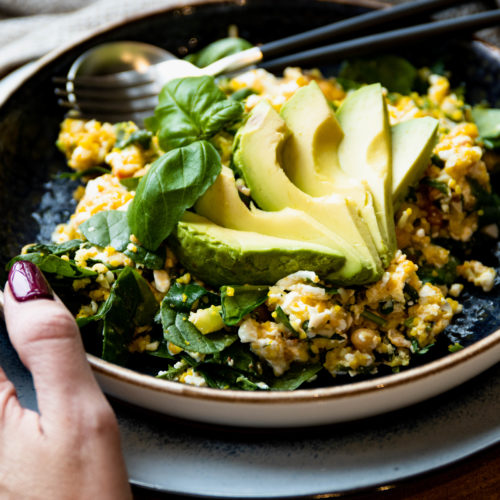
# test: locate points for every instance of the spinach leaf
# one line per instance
(110, 229)
(295, 377)
(182, 297)
(173, 183)
(217, 50)
(489, 203)
(53, 264)
(68, 247)
(445, 275)
(192, 109)
(182, 333)
(130, 304)
(239, 357)
(393, 72)
(239, 300)
(140, 137)
(487, 121)
(224, 377)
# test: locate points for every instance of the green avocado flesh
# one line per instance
(258, 156)
(325, 185)
(412, 145)
(366, 152)
(220, 255)
(310, 157)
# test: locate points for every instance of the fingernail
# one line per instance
(27, 282)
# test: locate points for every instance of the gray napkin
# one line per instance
(31, 28)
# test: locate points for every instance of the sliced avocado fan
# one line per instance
(218, 255)
(310, 158)
(258, 153)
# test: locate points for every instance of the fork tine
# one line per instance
(130, 93)
(117, 80)
(114, 107)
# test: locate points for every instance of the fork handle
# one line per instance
(370, 43)
(350, 25)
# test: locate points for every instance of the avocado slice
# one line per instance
(311, 161)
(220, 255)
(365, 152)
(259, 145)
(412, 145)
(222, 204)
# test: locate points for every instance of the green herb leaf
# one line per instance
(455, 347)
(282, 317)
(295, 377)
(489, 203)
(68, 247)
(130, 183)
(107, 229)
(416, 349)
(394, 73)
(445, 275)
(110, 228)
(487, 121)
(130, 304)
(182, 333)
(373, 317)
(411, 292)
(173, 183)
(182, 297)
(217, 50)
(192, 109)
(140, 137)
(386, 307)
(53, 264)
(439, 185)
(241, 300)
(242, 94)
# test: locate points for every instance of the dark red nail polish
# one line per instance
(27, 282)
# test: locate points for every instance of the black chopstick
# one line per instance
(352, 25)
(368, 44)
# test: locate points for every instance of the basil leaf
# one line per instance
(217, 50)
(110, 229)
(68, 247)
(182, 333)
(394, 73)
(182, 297)
(239, 300)
(173, 183)
(192, 109)
(130, 183)
(130, 304)
(487, 121)
(141, 137)
(53, 264)
(107, 229)
(295, 377)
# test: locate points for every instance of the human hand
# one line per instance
(71, 449)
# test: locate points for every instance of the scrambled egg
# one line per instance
(350, 331)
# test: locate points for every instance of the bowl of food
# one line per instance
(278, 250)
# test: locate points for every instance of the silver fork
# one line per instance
(132, 95)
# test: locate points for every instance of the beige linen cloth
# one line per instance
(31, 28)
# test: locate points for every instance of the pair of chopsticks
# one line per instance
(369, 43)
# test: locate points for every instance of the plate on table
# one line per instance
(33, 202)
